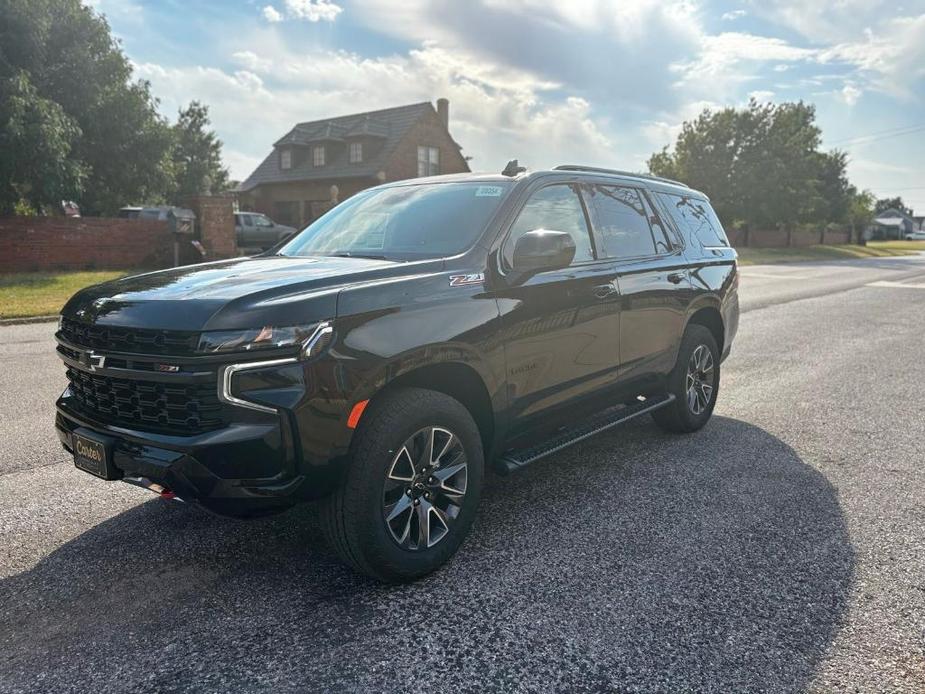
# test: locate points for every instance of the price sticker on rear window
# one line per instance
(489, 191)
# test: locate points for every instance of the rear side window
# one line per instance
(695, 219)
(621, 218)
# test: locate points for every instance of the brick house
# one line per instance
(322, 162)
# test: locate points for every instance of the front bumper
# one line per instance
(244, 469)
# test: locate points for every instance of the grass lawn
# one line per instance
(873, 249)
(44, 293)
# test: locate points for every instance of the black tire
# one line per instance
(353, 517)
(680, 416)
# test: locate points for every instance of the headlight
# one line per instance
(256, 339)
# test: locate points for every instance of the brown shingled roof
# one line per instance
(389, 124)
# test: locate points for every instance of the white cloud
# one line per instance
(308, 10)
(271, 14)
(598, 81)
(825, 23)
(761, 95)
(892, 57)
(125, 11)
(850, 94)
(496, 113)
(728, 60)
(252, 61)
(731, 16)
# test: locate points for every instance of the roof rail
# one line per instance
(597, 169)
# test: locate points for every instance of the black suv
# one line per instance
(381, 359)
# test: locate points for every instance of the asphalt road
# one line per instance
(780, 549)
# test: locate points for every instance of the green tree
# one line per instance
(860, 211)
(113, 133)
(196, 156)
(760, 165)
(36, 138)
(834, 193)
(892, 203)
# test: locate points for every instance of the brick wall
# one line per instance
(215, 224)
(781, 238)
(28, 244)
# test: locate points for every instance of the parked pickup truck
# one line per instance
(413, 336)
(257, 231)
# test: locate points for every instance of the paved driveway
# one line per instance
(782, 548)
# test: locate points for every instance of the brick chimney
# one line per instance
(443, 110)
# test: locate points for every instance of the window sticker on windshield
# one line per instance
(374, 239)
(370, 230)
(489, 191)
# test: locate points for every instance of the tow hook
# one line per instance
(158, 489)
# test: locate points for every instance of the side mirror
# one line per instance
(543, 249)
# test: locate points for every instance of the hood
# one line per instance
(240, 293)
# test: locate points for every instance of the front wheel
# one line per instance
(412, 488)
(694, 382)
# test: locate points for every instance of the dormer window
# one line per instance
(285, 159)
(356, 152)
(318, 155)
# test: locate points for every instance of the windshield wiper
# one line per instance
(350, 254)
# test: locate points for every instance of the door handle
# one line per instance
(602, 291)
(676, 277)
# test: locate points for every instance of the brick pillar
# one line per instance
(215, 225)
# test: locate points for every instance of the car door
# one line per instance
(246, 235)
(560, 340)
(651, 273)
(264, 231)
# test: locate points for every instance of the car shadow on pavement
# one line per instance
(636, 560)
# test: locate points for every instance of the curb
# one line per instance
(31, 319)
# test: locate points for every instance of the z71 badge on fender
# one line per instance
(466, 280)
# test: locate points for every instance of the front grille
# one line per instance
(181, 409)
(132, 340)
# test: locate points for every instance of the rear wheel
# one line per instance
(412, 489)
(694, 382)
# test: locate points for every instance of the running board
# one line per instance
(516, 459)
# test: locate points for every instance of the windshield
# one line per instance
(430, 220)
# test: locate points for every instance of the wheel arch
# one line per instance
(459, 381)
(710, 318)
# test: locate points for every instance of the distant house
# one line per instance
(918, 223)
(319, 163)
(892, 224)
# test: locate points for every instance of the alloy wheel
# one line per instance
(700, 379)
(424, 488)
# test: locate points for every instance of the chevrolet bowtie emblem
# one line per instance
(92, 360)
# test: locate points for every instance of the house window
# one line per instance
(318, 155)
(356, 152)
(428, 161)
(285, 159)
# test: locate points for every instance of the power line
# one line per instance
(867, 139)
(875, 134)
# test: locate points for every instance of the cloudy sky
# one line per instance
(602, 82)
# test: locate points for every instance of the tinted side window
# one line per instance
(622, 221)
(247, 219)
(556, 208)
(696, 219)
(665, 241)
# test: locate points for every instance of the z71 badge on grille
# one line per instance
(466, 280)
